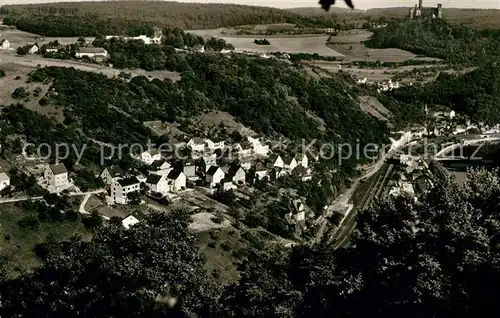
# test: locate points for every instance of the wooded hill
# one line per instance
(133, 17)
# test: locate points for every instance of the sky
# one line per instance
(360, 4)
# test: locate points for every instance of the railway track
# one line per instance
(342, 235)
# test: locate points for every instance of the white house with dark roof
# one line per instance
(246, 163)
(237, 174)
(112, 173)
(91, 52)
(208, 161)
(227, 184)
(4, 180)
(214, 176)
(122, 187)
(176, 180)
(4, 44)
(34, 49)
(157, 183)
(196, 144)
(160, 167)
(261, 172)
(258, 148)
(277, 161)
(215, 144)
(56, 176)
(150, 156)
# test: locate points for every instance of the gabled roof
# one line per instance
(156, 165)
(208, 159)
(212, 170)
(233, 169)
(273, 158)
(58, 169)
(128, 181)
(174, 174)
(153, 179)
(3, 40)
(115, 171)
(287, 160)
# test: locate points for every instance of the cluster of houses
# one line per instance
(5, 45)
(204, 166)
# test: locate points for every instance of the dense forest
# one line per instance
(475, 93)
(458, 44)
(405, 262)
(138, 17)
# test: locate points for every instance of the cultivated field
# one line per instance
(310, 44)
(283, 43)
(350, 44)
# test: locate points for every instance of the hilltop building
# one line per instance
(419, 12)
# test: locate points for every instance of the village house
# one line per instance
(278, 172)
(214, 176)
(208, 161)
(237, 174)
(289, 163)
(177, 180)
(302, 160)
(277, 161)
(150, 156)
(129, 221)
(112, 173)
(34, 49)
(4, 44)
(56, 175)
(142, 178)
(52, 49)
(243, 149)
(196, 144)
(260, 172)
(91, 52)
(160, 167)
(4, 180)
(246, 163)
(122, 187)
(189, 169)
(298, 214)
(214, 145)
(157, 183)
(227, 184)
(258, 148)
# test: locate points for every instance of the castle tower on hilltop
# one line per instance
(439, 11)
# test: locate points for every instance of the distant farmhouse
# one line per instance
(91, 52)
(4, 44)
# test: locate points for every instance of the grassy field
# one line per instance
(17, 243)
(225, 248)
